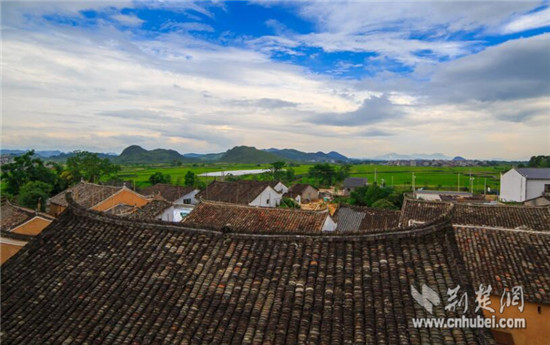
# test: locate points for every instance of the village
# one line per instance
(499, 245)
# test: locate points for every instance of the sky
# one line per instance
(362, 78)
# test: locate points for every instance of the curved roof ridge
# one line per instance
(425, 229)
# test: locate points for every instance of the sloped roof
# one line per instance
(353, 182)
(151, 210)
(508, 258)
(11, 216)
(354, 218)
(217, 216)
(91, 277)
(167, 191)
(503, 216)
(237, 192)
(86, 194)
(299, 188)
(535, 173)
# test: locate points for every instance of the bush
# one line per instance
(34, 192)
(384, 204)
(159, 177)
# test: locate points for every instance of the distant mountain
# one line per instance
(300, 156)
(247, 154)
(138, 155)
(43, 154)
(459, 158)
(396, 156)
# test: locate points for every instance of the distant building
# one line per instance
(244, 192)
(438, 195)
(114, 200)
(175, 194)
(279, 187)
(18, 225)
(231, 217)
(161, 209)
(351, 183)
(520, 184)
(302, 193)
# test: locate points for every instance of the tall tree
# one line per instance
(276, 169)
(159, 177)
(26, 168)
(324, 173)
(34, 195)
(190, 178)
(89, 166)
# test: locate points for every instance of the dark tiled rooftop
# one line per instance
(237, 192)
(151, 210)
(502, 216)
(95, 278)
(167, 191)
(217, 216)
(508, 258)
(354, 218)
(86, 194)
(11, 216)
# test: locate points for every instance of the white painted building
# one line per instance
(269, 197)
(330, 224)
(520, 184)
(175, 213)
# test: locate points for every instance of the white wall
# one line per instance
(512, 186)
(535, 188)
(281, 188)
(330, 225)
(428, 196)
(268, 198)
(173, 213)
(188, 196)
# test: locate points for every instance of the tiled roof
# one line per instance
(95, 278)
(508, 258)
(503, 216)
(217, 216)
(151, 210)
(352, 182)
(86, 194)
(299, 188)
(422, 211)
(237, 192)
(11, 216)
(121, 210)
(167, 191)
(535, 173)
(510, 217)
(354, 218)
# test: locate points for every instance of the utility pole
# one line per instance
(375, 179)
(485, 186)
(458, 185)
(413, 184)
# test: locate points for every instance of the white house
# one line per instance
(244, 192)
(520, 184)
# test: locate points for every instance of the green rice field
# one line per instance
(444, 178)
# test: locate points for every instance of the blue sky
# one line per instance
(363, 78)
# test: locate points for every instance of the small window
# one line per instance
(547, 188)
(267, 201)
(187, 201)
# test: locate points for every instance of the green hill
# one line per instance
(138, 155)
(247, 154)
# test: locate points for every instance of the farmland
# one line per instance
(397, 176)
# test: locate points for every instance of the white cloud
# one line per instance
(128, 20)
(528, 21)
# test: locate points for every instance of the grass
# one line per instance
(444, 178)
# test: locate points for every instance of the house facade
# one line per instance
(18, 225)
(521, 184)
(303, 193)
(97, 197)
(244, 192)
(351, 183)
